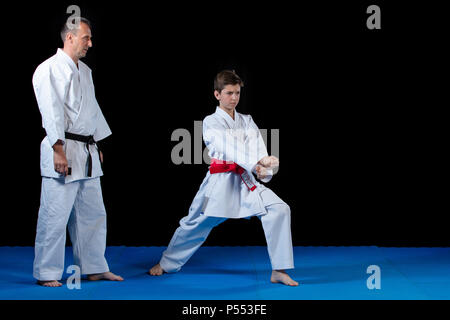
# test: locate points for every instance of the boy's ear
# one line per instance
(217, 94)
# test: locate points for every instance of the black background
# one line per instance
(360, 114)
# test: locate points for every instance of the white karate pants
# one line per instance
(195, 228)
(79, 205)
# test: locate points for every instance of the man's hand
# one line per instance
(59, 158)
(101, 156)
(261, 172)
(269, 162)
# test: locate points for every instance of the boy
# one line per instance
(229, 189)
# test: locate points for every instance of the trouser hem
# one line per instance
(167, 268)
(48, 276)
(283, 266)
(94, 270)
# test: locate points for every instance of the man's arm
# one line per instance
(102, 129)
(50, 92)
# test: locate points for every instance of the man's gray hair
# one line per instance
(67, 27)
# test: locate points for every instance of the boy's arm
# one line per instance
(219, 139)
(266, 163)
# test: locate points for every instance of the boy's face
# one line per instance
(229, 96)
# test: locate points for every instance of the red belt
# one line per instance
(218, 166)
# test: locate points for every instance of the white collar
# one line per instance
(67, 59)
(225, 115)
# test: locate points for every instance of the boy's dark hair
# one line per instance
(65, 29)
(226, 77)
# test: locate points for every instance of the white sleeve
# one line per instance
(218, 139)
(257, 145)
(102, 130)
(50, 91)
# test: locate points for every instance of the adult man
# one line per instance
(229, 189)
(70, 165)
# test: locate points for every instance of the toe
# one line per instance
(293, 283)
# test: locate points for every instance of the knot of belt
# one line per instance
(218, 166)
(88, 140)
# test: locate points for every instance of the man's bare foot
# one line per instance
(104, 276)
(156, 270)
(49, 283)
(280, 276)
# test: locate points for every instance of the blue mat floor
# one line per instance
(243, 273)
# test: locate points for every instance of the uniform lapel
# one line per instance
(68, 60)
(230, 122)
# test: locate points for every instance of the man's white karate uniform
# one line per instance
(225, 195)
(66, 100)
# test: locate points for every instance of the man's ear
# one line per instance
(217, 94)
(69, 36)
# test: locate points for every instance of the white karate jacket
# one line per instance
(225, 194)
(66, 98)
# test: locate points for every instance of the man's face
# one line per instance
(229, 96)
(82, 41)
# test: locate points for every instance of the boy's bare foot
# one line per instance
(104, 276)
(49, 283)
(280, 276)
(156, 270)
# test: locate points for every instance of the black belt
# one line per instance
(87, 140)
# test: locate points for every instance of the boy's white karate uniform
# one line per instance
(225, 195)
(66, 100)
